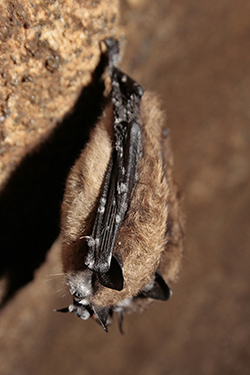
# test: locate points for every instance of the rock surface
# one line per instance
(48, 51)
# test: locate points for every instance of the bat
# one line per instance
(121, 221)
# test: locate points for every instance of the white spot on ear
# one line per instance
(117, 219)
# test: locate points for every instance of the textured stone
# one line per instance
(48, 50)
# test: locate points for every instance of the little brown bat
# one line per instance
(122, 225)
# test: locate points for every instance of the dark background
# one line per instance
(195, 55)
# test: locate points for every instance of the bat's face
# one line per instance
(80, 285)
(116, 209)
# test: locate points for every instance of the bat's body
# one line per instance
(121, 222)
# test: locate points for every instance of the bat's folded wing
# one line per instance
(118, 185)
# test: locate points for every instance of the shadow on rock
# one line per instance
(30, 200)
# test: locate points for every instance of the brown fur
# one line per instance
(154, 216)
(82, 191)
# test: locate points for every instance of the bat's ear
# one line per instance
(113, 279)
(63, 310)
(102, 314)
(120, 317)
(83, 312)
(158, 289)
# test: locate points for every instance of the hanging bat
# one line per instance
(121, 222)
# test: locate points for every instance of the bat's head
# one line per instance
(80, 285)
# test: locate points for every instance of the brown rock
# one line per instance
(47, 54)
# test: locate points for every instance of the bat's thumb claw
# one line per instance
(113, 51)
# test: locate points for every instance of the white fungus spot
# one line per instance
(101, 209)
(84, 302)
(83, 313)
(123, 304)
(86, 288)
(91, 242)
(80, 284)
(90, 260)
(102, 201)
(123, 188)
